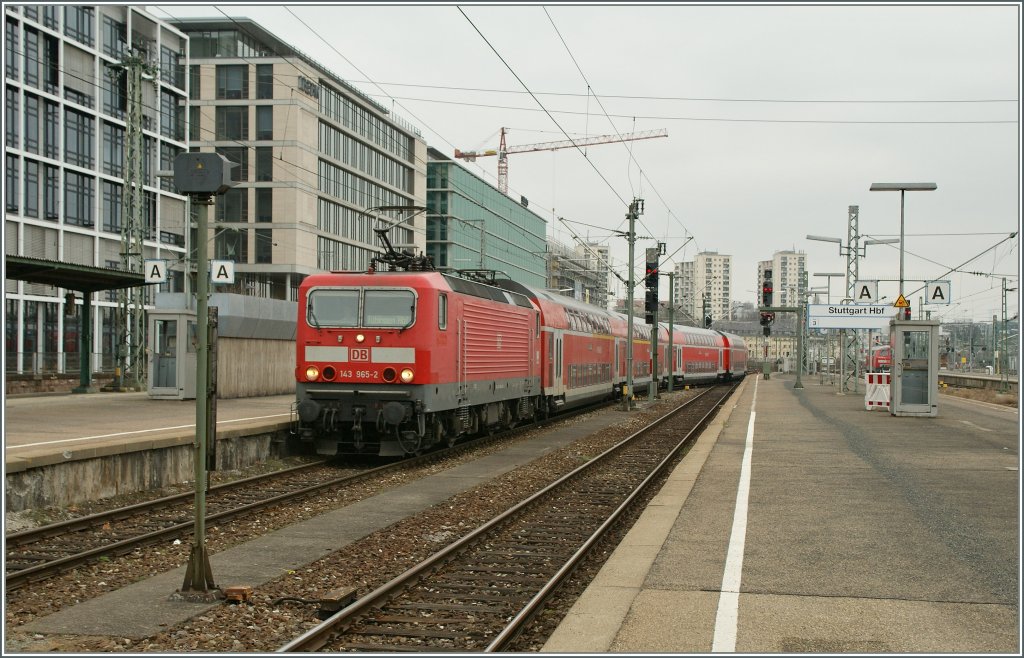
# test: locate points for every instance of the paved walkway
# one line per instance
(805, 523)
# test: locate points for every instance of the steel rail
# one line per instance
(18, 578)
(318, 636)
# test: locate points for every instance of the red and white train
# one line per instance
(393, 363)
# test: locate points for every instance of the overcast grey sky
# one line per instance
(779, 119)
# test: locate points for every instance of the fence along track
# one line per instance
(480, 592)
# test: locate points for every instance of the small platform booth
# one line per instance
(915, 367)
(172, 367)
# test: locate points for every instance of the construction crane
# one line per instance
(503, 151)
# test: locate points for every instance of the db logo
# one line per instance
(360, 354)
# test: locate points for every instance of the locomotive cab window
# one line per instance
(333, 308)
(442, 311)
(388, 308)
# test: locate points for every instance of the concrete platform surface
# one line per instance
(814, 525)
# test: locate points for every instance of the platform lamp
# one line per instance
(903, 188)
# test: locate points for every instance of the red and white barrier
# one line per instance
(876, 391)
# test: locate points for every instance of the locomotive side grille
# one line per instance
(496, 341)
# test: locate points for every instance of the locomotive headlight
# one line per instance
(406, 375)
(360, 338)
(312, 372)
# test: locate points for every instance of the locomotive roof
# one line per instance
(477, 289)
(457, 284)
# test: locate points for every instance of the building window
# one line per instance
(111, 207)
(31, 189)
(114, 90)
(11, 182)
(264, 81)
(264, 204)
(170, 69)
(51, 192)
(232, 123)
(78, 198)
(232, 81)
(168, 154)
(32, 57)
(11, 118)
(12, 50)
(240, 156)
(193, 82)
(172, 116)
(264, 245)
(232, 244)
(31, 122)
(265, 122)
(264, 164)
(79, 134)
(78, 23)
(113, 149)
(233, 205)
(193, 123)
(115, 37)
(51, 129)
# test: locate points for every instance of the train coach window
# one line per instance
(388, 308)
(333, 308)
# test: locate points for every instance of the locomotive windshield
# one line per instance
(336, 307)
(388, 308)
(333, 308)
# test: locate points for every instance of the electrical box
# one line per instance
(203, 173)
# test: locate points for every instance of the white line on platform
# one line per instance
(727, 619)
(117, 434)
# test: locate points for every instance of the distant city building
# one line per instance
(788, 275)
(471, 225)
(314, 153)
(705, 283)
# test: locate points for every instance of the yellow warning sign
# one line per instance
(901, 302)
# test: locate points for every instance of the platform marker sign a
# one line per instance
(155, 270)
(222, 271)
(937, 292)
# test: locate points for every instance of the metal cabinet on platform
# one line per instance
(172, 354)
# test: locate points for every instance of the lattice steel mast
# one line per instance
(131, 320)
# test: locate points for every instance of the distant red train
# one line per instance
(393, 363)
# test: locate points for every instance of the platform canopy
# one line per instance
(69, 275)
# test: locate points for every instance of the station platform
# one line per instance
(41, 430)
(806, 523)
(799, 522)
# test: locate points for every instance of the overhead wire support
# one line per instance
(131, 329)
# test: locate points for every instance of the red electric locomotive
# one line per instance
(396, 362)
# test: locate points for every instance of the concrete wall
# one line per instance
(254, 367)
(130, 472)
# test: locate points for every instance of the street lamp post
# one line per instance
(903, 188)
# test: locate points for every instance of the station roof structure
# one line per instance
(84, 278)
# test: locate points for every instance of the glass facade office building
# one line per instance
(64, 166)
(471, 225)
(313, 154)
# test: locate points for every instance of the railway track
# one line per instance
(479, 593)
(39, 553)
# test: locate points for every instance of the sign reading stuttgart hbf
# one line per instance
(849, 316)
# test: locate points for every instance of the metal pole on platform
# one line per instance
(198, 574)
